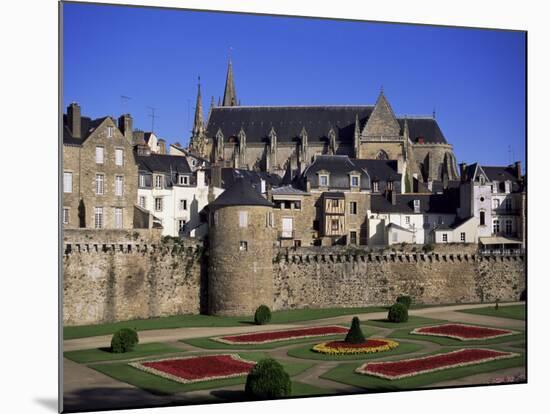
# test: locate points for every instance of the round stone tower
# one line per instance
(240, 273)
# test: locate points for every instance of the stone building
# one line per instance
(99, 171)
(240, 274)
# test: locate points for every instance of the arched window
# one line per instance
(382, 155)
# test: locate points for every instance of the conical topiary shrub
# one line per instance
(355, 334)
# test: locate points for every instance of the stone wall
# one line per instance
(324, 278)
(121, 275)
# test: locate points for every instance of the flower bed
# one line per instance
(274, 336)
(410, 367)
(197, 368)
(463, 332)
(344, 348)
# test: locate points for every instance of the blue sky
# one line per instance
(473, 78)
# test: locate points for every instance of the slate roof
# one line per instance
(241, 193)
(381, 170)
(163, 163)
(429, 204)
(231, 175)
(87, 126)
(288, 121)
(500, 173)
(339, 167)
(288, 190)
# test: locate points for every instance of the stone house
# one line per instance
(99, 171)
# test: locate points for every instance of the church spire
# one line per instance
(198, 126)
(229, 95)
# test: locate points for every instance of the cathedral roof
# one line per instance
(241, 193)
(288, 122)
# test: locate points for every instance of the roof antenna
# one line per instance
(509, 155)
(153, 116)
(433, 113)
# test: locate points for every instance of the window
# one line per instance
(99, 155)
(288, 227)
(158, 204)
(119, 156)
(416, 204)
(119, 185)
(183, 180)
(142, 201)
(496, 203)
(323, 180)
(334, 225)
(494, 187)
(243, 218)
(142, 180)
(67, 182)
(508, 226)
(118, 218)
(65, 215)
(389, 185)
(508, 204)
(110, 132)
(297, 243)
(183, 204)
(482, 218)
(507, 187)
(181, 224)
(375, 186)
(193, 162)
(352, 237)
(407, 219)
(463, 237)
(297, 205)
(355, 181)
(243, 246)
(98, 217)
(353, 207)
(269, 219)
(99, 184)
(496, 226)
(159, 181)
(444, 237)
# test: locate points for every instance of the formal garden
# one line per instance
(313, 355)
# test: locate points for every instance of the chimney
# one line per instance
(73, 119)
(200, 178)
(269, 194)
(162, 146)
(125, 124)
(216, 175)
(393, 196)
(517, 166)
(462, 167)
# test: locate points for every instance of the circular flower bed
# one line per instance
(344, 348)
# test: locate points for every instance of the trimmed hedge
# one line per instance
(124, 340)
(262, 315)
(405, 300)
(398, 313)
(268, 380)
(355, 334)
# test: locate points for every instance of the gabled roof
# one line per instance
(164, 163)
(429, 203)
(241, 193)
(500, 173)
(339, 168)
(87, 126)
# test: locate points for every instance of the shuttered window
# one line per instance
(119, 156)
(99, 155)
(67, 182)
(119, 185)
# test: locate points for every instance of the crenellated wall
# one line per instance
(322, 279)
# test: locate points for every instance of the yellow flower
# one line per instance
(327, 348)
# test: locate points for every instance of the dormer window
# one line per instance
(354, 181)
(416, 204)
(389, 185)
(481, 180)
(375, 187)
(323, 180)
(507, 186)
(494, 187)
(159, 181)
(184, 180)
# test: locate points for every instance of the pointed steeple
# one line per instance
(229, 95)
(382, 123)
(198, 126)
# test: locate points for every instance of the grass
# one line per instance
(301, 389)
(208, 343)
(305, 352)
(104, 354)
(405, 334)
(194, 321)
(345, 374)
(413, 322)
(162, 386)
(512, 312)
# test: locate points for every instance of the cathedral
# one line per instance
(286, 139)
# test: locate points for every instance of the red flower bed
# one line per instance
(197, 368)
(415, 366)
(462, 332)
(273, 336)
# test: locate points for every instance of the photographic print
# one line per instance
(256, 207)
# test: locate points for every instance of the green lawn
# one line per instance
(301, 389)
(305, 352)
(159, 385)
(192, 321)
(208, 343)
(345, 374)
(441, 340)
(104, 354)
(512, 312)
(412, 323)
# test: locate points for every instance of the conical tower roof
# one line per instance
(198, 125)
(229, 95)
(241, 194)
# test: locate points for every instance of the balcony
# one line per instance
(286, 234)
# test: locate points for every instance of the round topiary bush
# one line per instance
(124, 340)
(398, 313)
(268, 380)
(405, 300)
(355, 334)
(262, 315)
